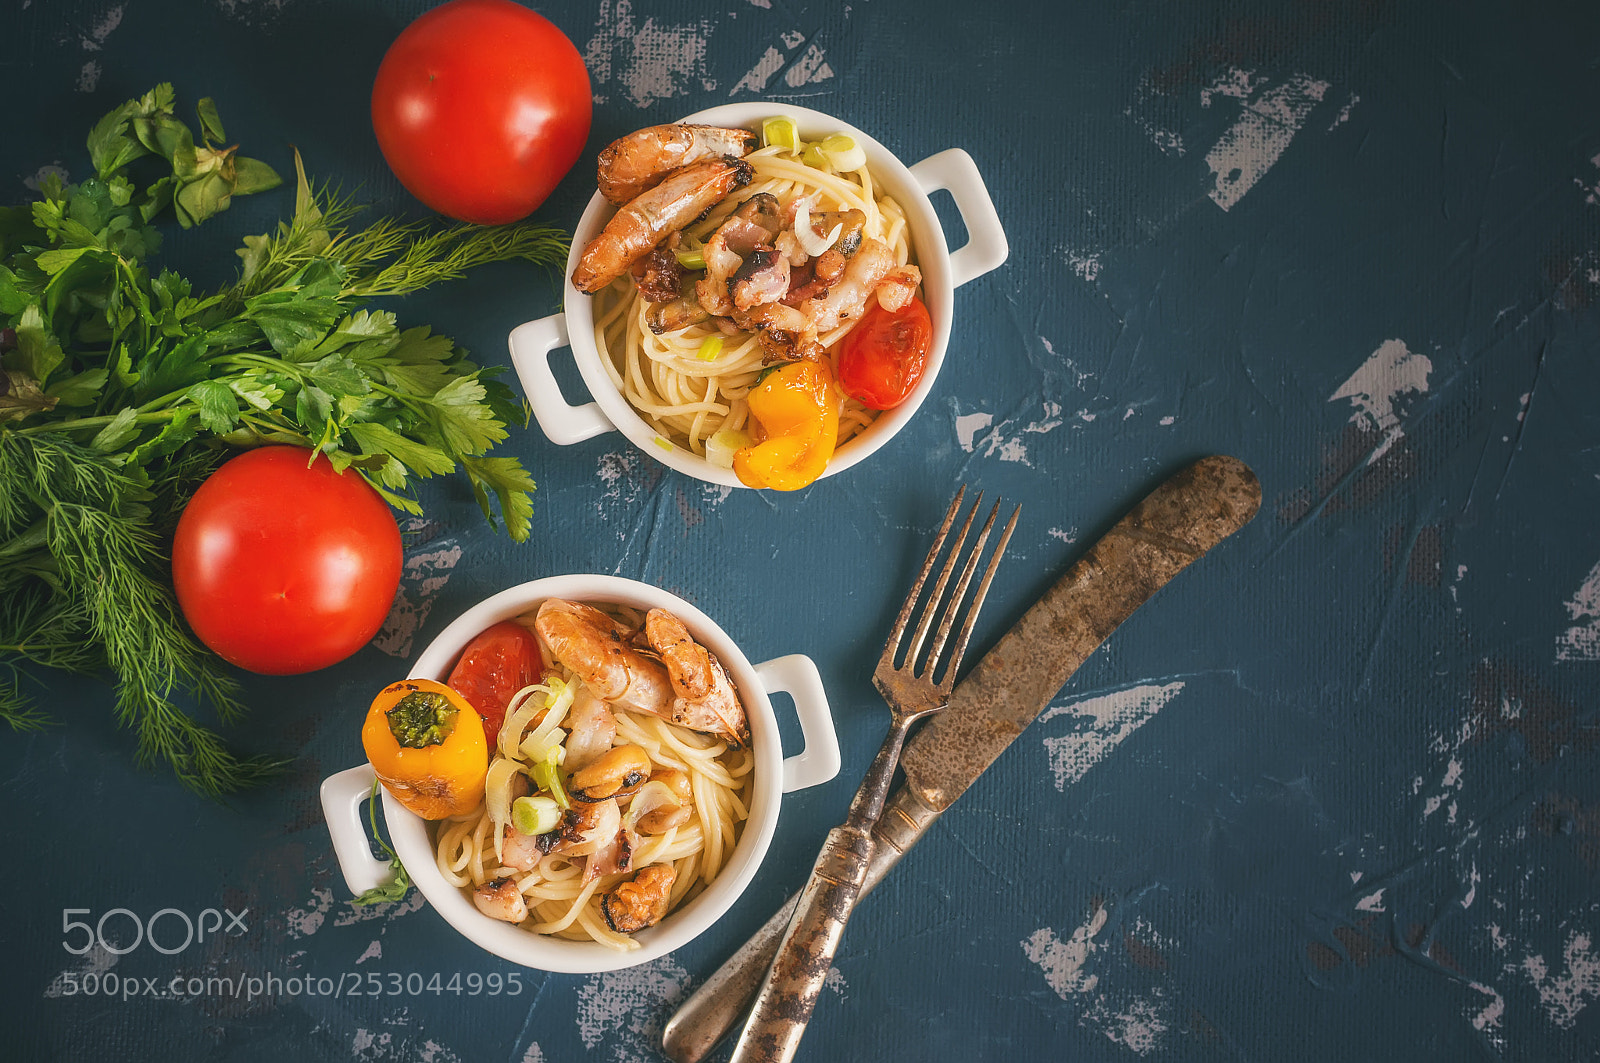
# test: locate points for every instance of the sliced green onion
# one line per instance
(710, 347)
(691, 257)
(663, 442)
(547, 776)
(780, 132)
(723, 444)
(814, 158)
(535, 815)
(843, 153)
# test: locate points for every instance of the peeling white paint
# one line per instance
(1139, 1025)
(1063, 961)
(434, 1052)
(374, 952)
(1344, 112)
(534, 1054)
(1104, 722)
(756, 79)
(977, 433)
(1565, 996)
(1235, 83)
(421, 579)
(1375, 390)
(624, 1009)
(36, 181)
(809, 69)
(1487, 1020)
(648, 61)
(89, 76)
(1086, 264)
(968, 425)
(95, 39)
(1372, 902)
(303, 922)
(98, 960)
(1581, 641)
(1254, 143)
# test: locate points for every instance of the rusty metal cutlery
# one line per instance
(915, 684)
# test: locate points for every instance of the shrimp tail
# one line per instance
(648, 219)
(706, 700)
(635, 163)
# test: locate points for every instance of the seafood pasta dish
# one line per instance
(728, 282)
(617, 783)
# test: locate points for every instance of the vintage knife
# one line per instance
(1173, 526)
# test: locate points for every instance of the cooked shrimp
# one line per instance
(644, 222)
(591, 730)
(519, 850)
(705, 695)
(848, 297)
(632, 164)
(599, 652)
(898, 287)
(499, 898)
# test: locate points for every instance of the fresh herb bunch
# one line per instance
(121, 390)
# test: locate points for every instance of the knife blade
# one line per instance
(1172, 527)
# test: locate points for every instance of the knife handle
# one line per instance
(712, 1010)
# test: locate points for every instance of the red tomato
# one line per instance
(497, 663)
(882, 358)
(283, 568)
(481, 107)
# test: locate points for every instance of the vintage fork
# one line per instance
(914, 689)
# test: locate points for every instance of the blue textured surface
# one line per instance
(1331, 796)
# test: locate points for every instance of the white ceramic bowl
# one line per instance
(344, 794)
(943, 271)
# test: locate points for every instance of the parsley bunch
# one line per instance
(120, 389)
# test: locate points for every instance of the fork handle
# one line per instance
(805, 953)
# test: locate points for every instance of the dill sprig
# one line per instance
(120, 390)
(386, 258)
(106, 607)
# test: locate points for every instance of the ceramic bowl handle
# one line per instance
(986, 247)
(797, 676)
(564, 423)
(342, 797)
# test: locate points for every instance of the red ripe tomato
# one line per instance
(283, 567)
(497, 663)
(882, 358)
(481, 107)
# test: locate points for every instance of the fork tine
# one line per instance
(892, 646)
(930, 608)
(960, 650)
(951, 608)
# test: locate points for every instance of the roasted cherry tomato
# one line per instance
(882, 358)
(282, 565)
(497, 663)
(480, 108)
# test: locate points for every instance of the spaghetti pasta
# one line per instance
(566, 878)
(690, 382)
